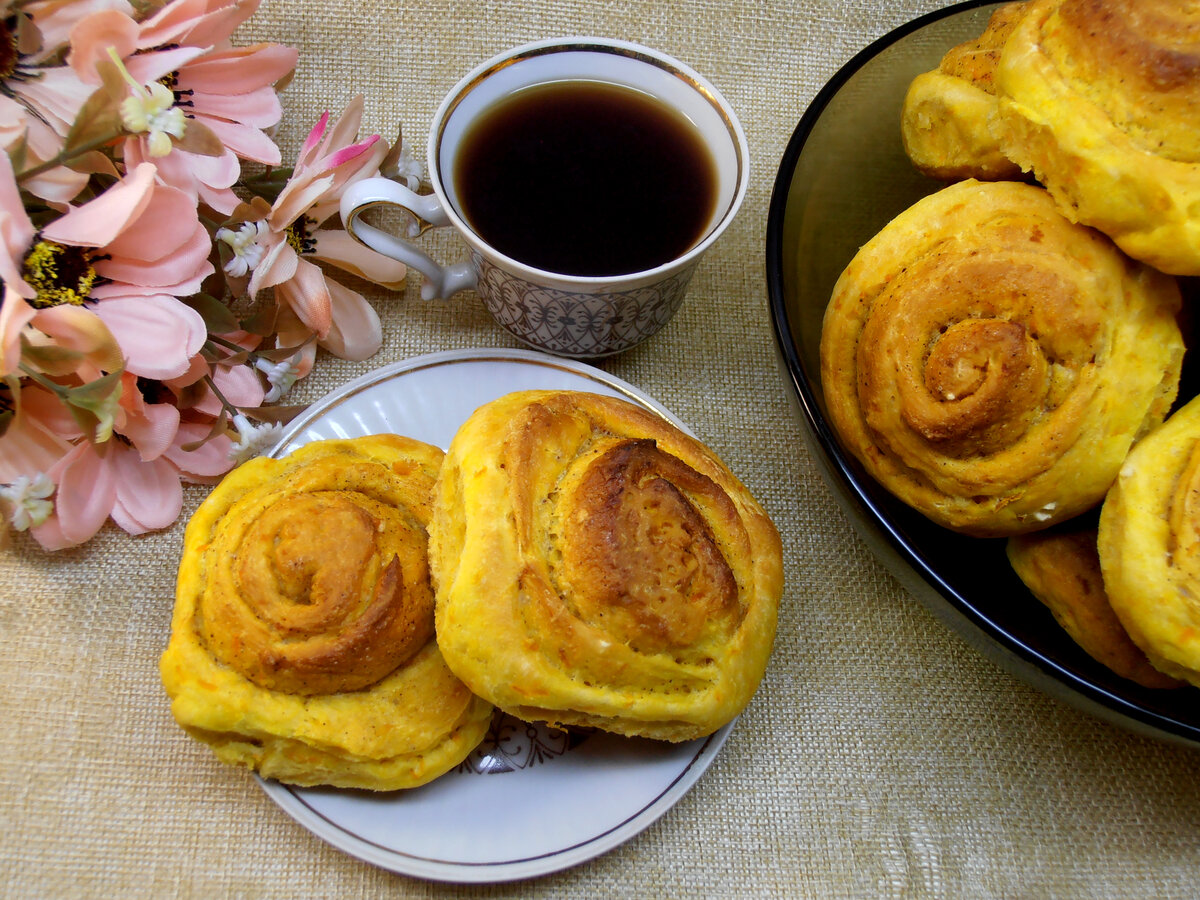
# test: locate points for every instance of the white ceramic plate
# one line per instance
(529, 800)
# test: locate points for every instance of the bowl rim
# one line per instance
(889, 546)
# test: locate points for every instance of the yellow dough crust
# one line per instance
(991, 363)
(1062, 570)
(302, 642)
(1100, 100)
(596, 566)
(1149, 544)
(946, 119)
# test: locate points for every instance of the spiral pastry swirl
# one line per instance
(596, 566)
(1149, 544)
(1101, 101)
(990, 363)
(302, 642)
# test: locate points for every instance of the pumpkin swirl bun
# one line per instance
(1149, 544)
(596, 566)
(946, 118)
(1101, 101)
(1062, 569)
(990, 363)
(302, 643)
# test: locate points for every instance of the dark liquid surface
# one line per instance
(586, 178)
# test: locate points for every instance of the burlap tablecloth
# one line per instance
(880, 758)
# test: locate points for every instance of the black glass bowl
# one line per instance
(843, 176)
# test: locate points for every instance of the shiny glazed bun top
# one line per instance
(597, 566)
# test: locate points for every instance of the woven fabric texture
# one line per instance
(881, 757)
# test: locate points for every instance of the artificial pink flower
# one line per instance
(146, 246)
(192, 78)
(279, 248)
(39, 100)
(90, 347)
(134, 480)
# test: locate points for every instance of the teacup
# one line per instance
(611, 298)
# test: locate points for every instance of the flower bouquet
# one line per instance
(163, 276)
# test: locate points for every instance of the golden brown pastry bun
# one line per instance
(1149, 546)
(1101, 101)
(946, 118)
(302, 643)
(1062, 569)
(596, 566)
(991, 363)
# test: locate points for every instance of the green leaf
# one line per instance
(393, 155)
(93, 162)
(198, 138)
(18, 153)
(99, 119)
(262, 321)
(94, 404)
(218, 318)
(29, 36)
(50, 358)
(219, 356)
(217, 430)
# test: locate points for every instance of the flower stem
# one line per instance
(66, 155)
(225, 404)
(228, 345)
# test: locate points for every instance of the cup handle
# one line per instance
(440, 282)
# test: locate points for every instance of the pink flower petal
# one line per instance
(149, 496)
(277, 266)
(158, 334)
(15, 314)
(240, 385)
(168, 222)
(308, 296)
(86, 492)
(56, 18)
(223, 200)
(99, 221)
(57, 94)
(209, 461)
(153, 431)
(44, 406)
(16, 231)
(312, 141)
(246, 141)
(78, 328)
(186, 261)
(260, 109)
(199, 22)
(197, 369)
(345, 129)
(29, 447)
(355, 333)
(239, 70)
(92, 37)
(296, 198)
(149, 67)
(337, 248)
(50, 535)
(58, 185)
(349, 154)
